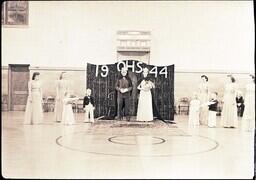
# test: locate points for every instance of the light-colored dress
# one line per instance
(203, 92)
(145, 107)
(229, 111)
(34, 109)
(212, 118)
(212, 112)
(89, 112)
(61, 88)
(67, 114)
(193, 118)
(248, 121)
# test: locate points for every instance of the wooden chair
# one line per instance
(79, 106)
(183, 106)
(45, 105)
(50, 101)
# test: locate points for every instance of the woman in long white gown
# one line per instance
(67, 114)
(203, 94)
(34, 109)
(248, 121)
(194, 107)
(229, 112)
(145, 107)
(61, 87)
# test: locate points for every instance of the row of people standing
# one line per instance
(63, 101)
(63, 111)
(34, 112)
(202, 108)
(124, 87)
(229, 111)
(208, 109)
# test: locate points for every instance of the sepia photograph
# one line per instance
(128, 89)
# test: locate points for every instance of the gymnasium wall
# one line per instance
(193, 35)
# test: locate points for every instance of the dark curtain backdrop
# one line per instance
(103, 90)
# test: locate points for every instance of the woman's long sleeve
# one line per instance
(41, 91)
(57, 90)
(29, 90)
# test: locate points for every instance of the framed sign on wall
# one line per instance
(15, 13)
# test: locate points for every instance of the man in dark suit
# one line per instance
(88, 106)
(124, 87)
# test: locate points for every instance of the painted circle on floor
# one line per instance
(136, 140)
(137, 145)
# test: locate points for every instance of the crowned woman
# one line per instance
(145, 108)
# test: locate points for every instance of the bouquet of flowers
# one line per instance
(71, 99)
(148, 85)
